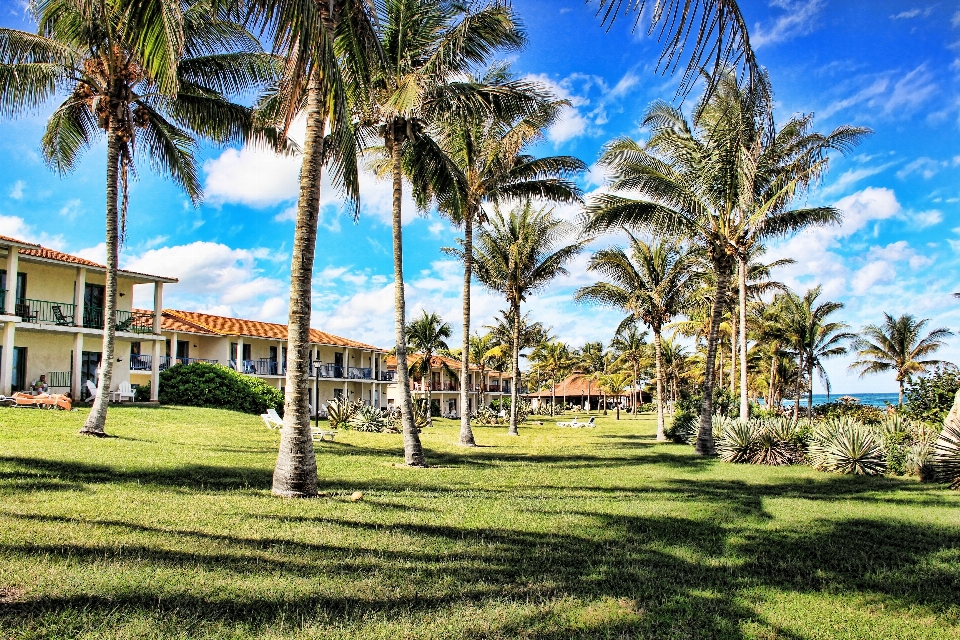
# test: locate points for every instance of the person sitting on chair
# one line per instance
(40, 385)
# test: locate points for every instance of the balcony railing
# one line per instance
(145, 362)
(44, 312)
(387, 376)
(360, 373)
(129, 321)
(328, 370)
(435, 386)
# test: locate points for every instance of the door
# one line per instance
(19, 378)
(272, 362)
(89, 366)
(183, 349)
(338, 365)
(93, 303)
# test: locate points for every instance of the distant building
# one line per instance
(485, 384)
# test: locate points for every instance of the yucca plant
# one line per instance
(367, 418)
(947, 454)
(777, 442)
(896, 435)
(737, 439)
(921, 459)
(339, 413)
(843, 445)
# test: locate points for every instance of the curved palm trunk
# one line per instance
(97, 419)
(705, 445)
(796, 407)
(773, 375)
(466, 433)
(744, 402)
(412, 449)
(661, 430)
(733, 355)
(636, 404)
(515, 362)
(295, 475)
(900, 397)
(810, 395)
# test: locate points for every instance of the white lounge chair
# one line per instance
(323, 434)
(92, 388)
(272, 419)
(592, 422)
(572, 424)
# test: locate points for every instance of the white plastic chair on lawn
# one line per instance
(573, 424)
(272, 419)
(124, 392)
(92, 388)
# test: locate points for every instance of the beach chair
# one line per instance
(92, 388)
(23, 310)
(59, 318)
(573, 424)
(591, 423)
(323, 434)
(272, 419)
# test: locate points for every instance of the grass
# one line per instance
(168, 530)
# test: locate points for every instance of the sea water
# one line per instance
(870, 399)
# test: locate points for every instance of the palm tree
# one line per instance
(483, 350)
(487, 161)
(555, 360)
(427, 50)
(314, 85)
(693, 181)
(897, 346)
(630, 345)
(812, 337)
(426, 336)
(516, 255)
(653, 283)
(593, 359)
(152, 76)
(615, 384)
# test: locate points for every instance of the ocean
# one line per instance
(872, 399)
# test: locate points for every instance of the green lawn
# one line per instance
(168, 530)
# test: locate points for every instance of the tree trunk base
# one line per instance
(705, 447)
(96, 433)
(513, 433)
(663, 439)
(468, 444)
(293, 494)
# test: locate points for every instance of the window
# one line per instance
(93, 303)
(246, 351)
(338, 394)
(134, 348)
(273, 354)
(89, 368)
(19, 377)
(338, 359)
(21, 283)
(183, 349)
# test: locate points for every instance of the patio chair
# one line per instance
(92, 388)
(22, 309)
(59, 318)
(124, 391)
(573, 424)
(323, 434)
(591, 423)
(125, 324)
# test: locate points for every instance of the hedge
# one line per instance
(214, 386)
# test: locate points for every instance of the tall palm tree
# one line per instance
(314, 85)
(630, 345)
(516, 255)
(483, 350)
(653, 283)
(896, 346)
(488, 162)
(427, 52)
(593, 359)
(813, 337)
(426, 336)
(150, 75)
(692, 181)
(776, 166)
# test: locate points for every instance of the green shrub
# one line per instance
(770, 441)
(737, 441)
(929, 399)
(142, 393)
(683, 428)
(214, 386)
(849, 408)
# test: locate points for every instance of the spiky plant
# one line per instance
(737, 441)
(921, 459)
(843, 445)
(947, 455)
(777, 443)
(367, 418)
(339, 413)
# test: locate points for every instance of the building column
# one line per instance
(239, 354)
(155, 370)
(78, 296)
(173, 348)
(157, 306)
(75, 366)
(9, 333)
(13, 257)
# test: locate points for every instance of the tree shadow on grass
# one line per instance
(675, 576)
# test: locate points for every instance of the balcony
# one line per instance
(140, 322)
(359, 373)
(435, 386)
(145, 362)
(328, 370)
(387, 376)
(44, 312)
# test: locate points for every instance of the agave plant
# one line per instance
(369, 419)
(421, 415)
(777, 443)
(737, 440)
(921, 459)
(947, 454)
(339, 413)
(846, 446)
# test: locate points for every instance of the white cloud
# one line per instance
(17, 228)
(287, 215)
(72, 209)
(155, 241)
(874, 89)
(214, 276)
(889, 98)
(96, 253)
(17, 191)
(851, 177)
(253, 177)
(925, 219)
(912, 13)
(799, 20)
(436, 228)
(927, 167)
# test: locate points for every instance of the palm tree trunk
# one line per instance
(412, 449)
(515, 358)
(733, 355)
(466, 433)
(428, 358)
(796, 407)
(661, 431)
(705, 445)
(553, 396)
(635, 403)
(295, 475)
(900, 397)
(773, 373)
(810, 396)
(744, 403)
(97, 419)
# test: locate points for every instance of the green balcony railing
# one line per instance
(44, 312)
(129, 321)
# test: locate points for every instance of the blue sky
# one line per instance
(893, 66)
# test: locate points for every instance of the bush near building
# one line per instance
(217, 387)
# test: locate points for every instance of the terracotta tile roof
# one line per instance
(15, 241)
(205, 323)
(435, 363)
(573, 385)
